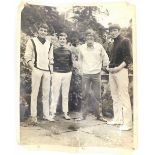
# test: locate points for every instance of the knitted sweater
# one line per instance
(121, 51)
(62, 60)
(39, 53)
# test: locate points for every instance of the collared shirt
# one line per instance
(91, 59)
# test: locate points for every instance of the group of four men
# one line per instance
(92, 58)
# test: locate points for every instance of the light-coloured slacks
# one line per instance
(60, 81)
(37, 76)
(119, 83)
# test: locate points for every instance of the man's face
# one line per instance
(90, 39)
(62, 40)
(42, 32)
(54, 39)
(114, 33)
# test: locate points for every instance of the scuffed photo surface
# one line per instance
(75, 21)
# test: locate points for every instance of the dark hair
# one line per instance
(63, 35)
(43, 25)
(114, 26)
(90, 32)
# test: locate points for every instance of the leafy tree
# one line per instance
(84, 18)
(33, 15)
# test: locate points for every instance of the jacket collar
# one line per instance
(118, 38)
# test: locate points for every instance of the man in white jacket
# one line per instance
(92, 58)
(39, 56)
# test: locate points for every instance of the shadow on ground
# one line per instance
(86, 133)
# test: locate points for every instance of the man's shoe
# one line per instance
(113, 122)
(81, 119)
(67, 117)
(52, 116)
(49, 118)
(101, 119)
(32, 121)
(125, 127)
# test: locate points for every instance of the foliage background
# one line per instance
(83, 18)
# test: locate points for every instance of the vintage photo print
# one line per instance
(77, 75)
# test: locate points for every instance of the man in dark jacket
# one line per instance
(118, 78)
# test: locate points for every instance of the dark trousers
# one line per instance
(92, 81)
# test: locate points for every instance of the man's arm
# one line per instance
(127, 51)
(51, 58)
(105, 59)
(80, 59)
(127, 58)
(117, 69)
(29, 53)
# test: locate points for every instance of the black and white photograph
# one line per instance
(77, 75)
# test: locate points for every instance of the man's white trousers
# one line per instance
(37, 76)
(60, 82)
(119, 84)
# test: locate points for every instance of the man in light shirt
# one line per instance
(39, 56)
(92, 58)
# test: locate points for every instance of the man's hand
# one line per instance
(78, 68)
(105, 69)
(51, 69)
(118, 68)
(31, 65)
(114, 70)
(80, 72)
